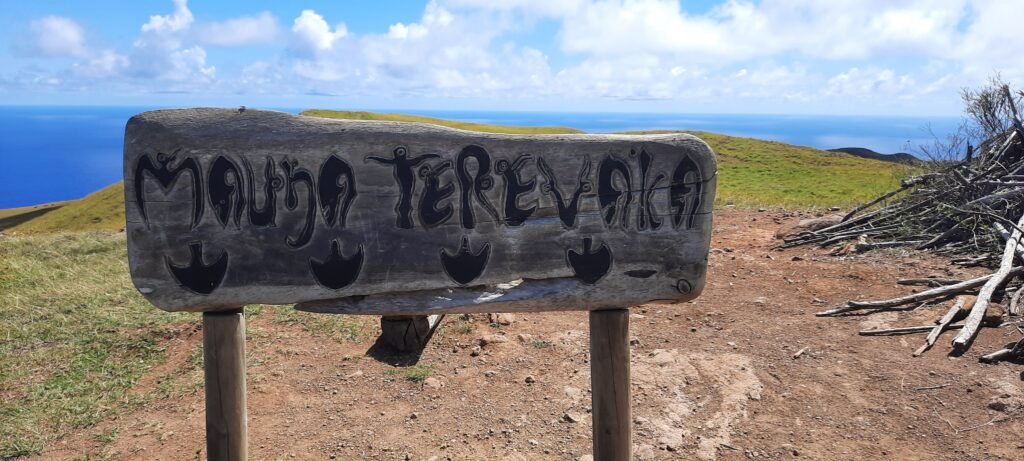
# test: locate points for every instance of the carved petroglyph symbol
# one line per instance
(337, 271)
(198, 276)
(403, 167)
(295, 176)
(465, 265)
(166, 176)
(589, 266)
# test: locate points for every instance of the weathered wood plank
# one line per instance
(224, 366)
(227, 208)
(610, 385)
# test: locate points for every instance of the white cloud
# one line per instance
(245, 30)
(313, 34)
(177, 21)
(57, 36)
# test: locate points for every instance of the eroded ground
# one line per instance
(712, 379)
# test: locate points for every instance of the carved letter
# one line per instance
(166, 176)
(647, 217)
(685, 193)
(337, 189)
(295, 176)
(566, 212)
(225, 189)
(433, 193)
(514, 188)
(478, 184)
(609, 194)
(267, 215)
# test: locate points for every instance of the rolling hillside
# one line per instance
(752, 172)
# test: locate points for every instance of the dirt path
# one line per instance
(713, 379)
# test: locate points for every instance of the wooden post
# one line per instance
(224, 367)
(609, 381)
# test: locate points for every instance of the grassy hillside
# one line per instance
(353, 115)
(754, 172)
(100, 211)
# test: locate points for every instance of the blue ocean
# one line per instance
(61, 153)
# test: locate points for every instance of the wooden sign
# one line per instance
(233, 207)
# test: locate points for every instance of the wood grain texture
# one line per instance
(227, 208)
(610, 384)
(224, 368)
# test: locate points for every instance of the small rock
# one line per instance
(570, 418)
(532, 442)
(501, 319)
(634, 341)
(760, 301)
(998, 406)
(475, 351)
(490, 373)
(524, 338)
(492, 339)
(433, 383)
(798, 258)
(530, 379)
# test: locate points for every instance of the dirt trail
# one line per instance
(712, 379)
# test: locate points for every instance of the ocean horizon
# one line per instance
(55, 153)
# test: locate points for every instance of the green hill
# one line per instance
(102, 210)
(752, 172)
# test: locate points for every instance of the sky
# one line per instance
(838, 57)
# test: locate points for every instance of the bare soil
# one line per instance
(716, 378)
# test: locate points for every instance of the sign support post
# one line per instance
(224, 369)
(610, 384)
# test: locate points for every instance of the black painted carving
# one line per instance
(609, 195)
(647, 217)
(465, 265)
(299, 176)
(641, 273)
(265, 216)
(478, 184)
(685, 193)
(589, 266)
(166, 176)
(225, 189)
(336, 187)
(514, 188)
(403, 171)
(433, 193)
(566, 211)
(197, 276)
(337, 271)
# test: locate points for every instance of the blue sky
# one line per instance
(884, 57)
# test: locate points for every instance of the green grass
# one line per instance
(75, 336)
(100, 211)
(353, 115)
(337, 327)
(415, 373)
(754, 172)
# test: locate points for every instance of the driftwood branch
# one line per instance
(966, 335)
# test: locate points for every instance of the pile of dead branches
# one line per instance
(972, 210)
